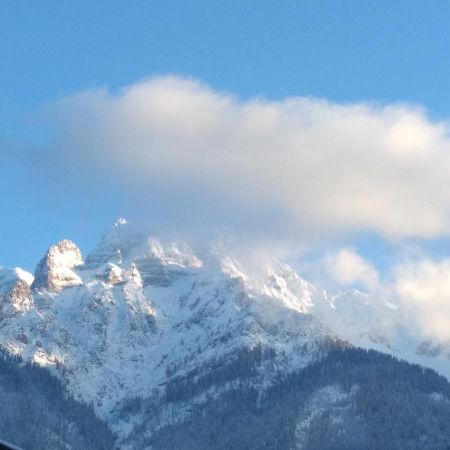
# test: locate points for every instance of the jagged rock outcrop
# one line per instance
(113, 274)
(55, 271)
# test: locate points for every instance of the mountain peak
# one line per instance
(120, 221)
(54, 271)
(11, 276)
(15, 295)
(115, 244)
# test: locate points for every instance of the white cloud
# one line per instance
(423, 288)
(300, 167)
(347, 268)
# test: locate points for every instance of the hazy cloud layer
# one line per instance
(300, 167)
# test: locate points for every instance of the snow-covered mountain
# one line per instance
(138, 317)
(139, 312)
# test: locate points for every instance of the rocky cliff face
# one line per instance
(54, 271)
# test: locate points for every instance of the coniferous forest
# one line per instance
(351, 399)
(37, 412)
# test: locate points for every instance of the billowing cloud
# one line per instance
(347, 268)
(300, 167)
(423, 288)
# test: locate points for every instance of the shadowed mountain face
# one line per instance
(151, 333)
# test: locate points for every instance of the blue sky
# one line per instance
(343, 51)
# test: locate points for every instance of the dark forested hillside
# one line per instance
(351, 399)
(37, 414)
